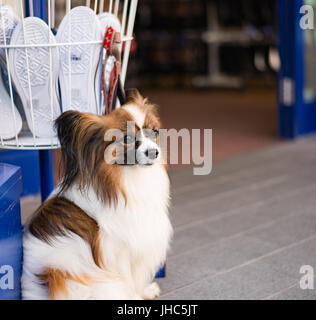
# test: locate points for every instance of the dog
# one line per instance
(105, 230)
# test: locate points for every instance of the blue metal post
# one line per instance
(46, 172)
(287, 42)
(298, 116)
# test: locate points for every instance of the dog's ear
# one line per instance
(66, 125)
(133, 95)
(81, 137)
(76, 129)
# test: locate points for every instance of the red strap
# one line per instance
(110, 44)
(107, 41)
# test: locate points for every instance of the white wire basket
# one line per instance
(23, 54)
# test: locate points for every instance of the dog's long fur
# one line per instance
(105, 230)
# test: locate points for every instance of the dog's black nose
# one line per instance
(152, 153)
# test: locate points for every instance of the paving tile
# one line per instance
(253, 281)
(192, 266)
(295, 293)
(292, 153)
(203, 290)
(229, 253)
(245, 219)
(223, 254)
(247, 239)
(183, 272)
(265, 191)
(290, 261)
(256, 278)
(288, 231)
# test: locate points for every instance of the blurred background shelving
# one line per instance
(178, 41)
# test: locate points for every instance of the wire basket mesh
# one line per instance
(50, 67)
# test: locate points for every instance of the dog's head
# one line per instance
(96, 148)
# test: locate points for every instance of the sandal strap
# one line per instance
(111, 44)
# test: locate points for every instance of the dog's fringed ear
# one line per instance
(67, 125)
(133, 95)
(81, 137)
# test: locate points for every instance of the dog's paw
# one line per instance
(152, 291)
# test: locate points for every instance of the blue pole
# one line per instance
(46, 163)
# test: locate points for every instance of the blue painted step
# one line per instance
(29, 163)
(10, 232)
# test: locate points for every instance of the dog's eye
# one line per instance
(154, 134)
(128, 139)
(151, 133)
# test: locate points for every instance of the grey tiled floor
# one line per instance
(244, 231)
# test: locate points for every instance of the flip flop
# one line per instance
(83, 95)
(111, 63)
(45, 103)
(10, 118)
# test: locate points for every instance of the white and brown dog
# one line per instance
(105, 230)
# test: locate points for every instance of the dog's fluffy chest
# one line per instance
(143, 224)
(140, 226)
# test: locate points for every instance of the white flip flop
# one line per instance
(10, 118)
(84, 26)
(45, 103)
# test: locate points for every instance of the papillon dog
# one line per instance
(105, 230)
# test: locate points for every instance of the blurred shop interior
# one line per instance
(211, 64)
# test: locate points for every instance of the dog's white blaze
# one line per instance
(137, 114)
(146, 144)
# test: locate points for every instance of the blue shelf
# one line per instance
(10, 232)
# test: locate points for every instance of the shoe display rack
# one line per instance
(47, 69)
